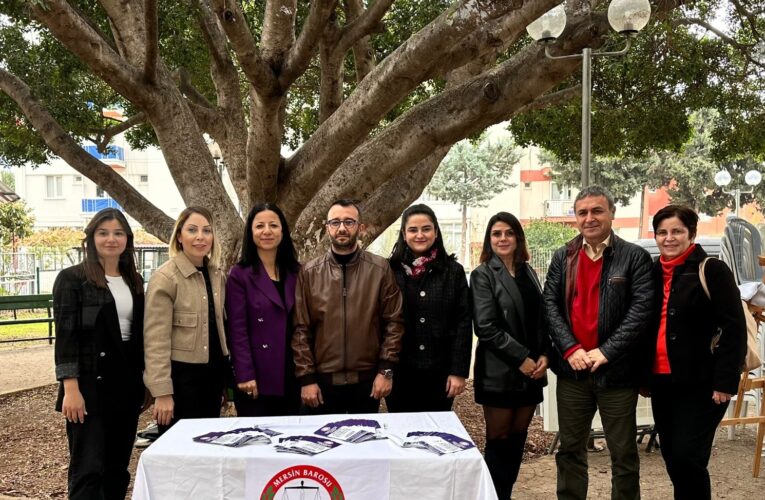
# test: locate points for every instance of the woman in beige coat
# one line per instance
(184, 340)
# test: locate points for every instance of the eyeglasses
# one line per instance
(335, 223)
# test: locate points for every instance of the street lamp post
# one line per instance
(752, 179)
(627, 17)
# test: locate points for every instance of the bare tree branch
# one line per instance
(106, 135)
(278, 30)
(304, 49)
(152, 41)
(258, 72)
(363, 55)
(128, 22)
(62, 144)
(364, 24)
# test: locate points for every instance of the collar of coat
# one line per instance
(186, 267)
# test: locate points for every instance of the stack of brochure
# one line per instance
(352, 430)
(305, 445)
(239, 437)
(439, 443)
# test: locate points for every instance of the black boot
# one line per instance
(498, 457)
(516, 444)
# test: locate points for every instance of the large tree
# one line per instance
(369, 94)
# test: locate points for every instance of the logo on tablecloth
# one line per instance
(302, 481)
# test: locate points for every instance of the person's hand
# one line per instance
(540, 368)
(163, 409)
(381, 387)
(73, 406)
(454, 386)
(311, 395)
(579, 360)
(597, 359)
(147, 400)
(527, 367)
(250, 388)
(721, 397)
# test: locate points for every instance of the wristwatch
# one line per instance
(387, 373)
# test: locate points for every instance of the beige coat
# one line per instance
(175, 321)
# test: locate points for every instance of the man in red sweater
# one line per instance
(598, 303)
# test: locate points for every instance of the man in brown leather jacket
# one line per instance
(348, 322)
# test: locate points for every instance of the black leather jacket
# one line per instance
(625, 311)
(504, 340)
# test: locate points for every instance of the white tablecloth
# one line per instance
(175, 467)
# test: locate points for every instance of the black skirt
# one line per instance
(510, 399)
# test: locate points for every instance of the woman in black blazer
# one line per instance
(511, 357)
(98, 313)
(436, 348)
(697, 349)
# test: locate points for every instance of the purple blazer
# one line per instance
(257, 327)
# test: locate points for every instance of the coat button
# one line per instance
(422, 320)
(265, 346)
(204, 347)
(671, 312)
(99, 377)
(673, 337)
(102, 354)
(422, 293)
(422, 347)
(204, 297)
(260, 320)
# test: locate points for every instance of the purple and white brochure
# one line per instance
(238, 437)
(439, 443)
(305, 445)
(351, 430)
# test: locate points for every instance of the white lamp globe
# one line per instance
(722, 178)
(753, 177)
(549, 26)
(629, 16)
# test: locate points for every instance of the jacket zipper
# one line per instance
(345, 327)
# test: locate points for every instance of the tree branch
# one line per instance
(548, 100)
(743, 48)
(363, 55)
(364, 24)
(62, 144)
(222, 69)
(304, 49)
(152, 42)
(278, 30)
(77, 35)
(256, 70)
(106, 135)
(378, 93)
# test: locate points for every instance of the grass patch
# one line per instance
(9, 332)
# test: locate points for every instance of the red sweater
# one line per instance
(586, 303)
(661, 361)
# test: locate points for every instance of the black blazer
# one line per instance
(504, 340)
(89, 344)
(692, 321)
(438, 334)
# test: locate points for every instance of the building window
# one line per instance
(100, 193)
(526, 185)
(559, 191)
(144, 179)
(54, 186)
(78, 179)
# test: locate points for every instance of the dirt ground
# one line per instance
(33, 456)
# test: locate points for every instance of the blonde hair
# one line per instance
(175, 247)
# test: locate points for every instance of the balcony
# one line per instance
(93, 205)
(114, 156)
(559, 208)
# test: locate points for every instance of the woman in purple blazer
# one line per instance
(260, 294)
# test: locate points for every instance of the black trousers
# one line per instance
(99, 455)
(197, 391)
(266, 406)
(686, 419)
(418, 390)
(347, 398)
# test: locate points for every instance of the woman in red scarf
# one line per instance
(698, 349)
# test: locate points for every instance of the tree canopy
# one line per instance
(369, 95)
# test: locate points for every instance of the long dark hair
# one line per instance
(521, 250)
(94, 271)
(398, 254)
(286, 256)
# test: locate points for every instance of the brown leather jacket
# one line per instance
(347, 325)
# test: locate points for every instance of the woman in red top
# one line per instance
(694, 373)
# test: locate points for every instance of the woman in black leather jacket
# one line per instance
(98, 312)
(511, 357)
(435, 353)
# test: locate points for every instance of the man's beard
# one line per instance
(349, 244)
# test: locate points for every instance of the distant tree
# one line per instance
(472, 174)
(544, 235)
(61, 238)
(15, 223)
(7, 178)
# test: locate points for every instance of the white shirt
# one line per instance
(123, 299)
